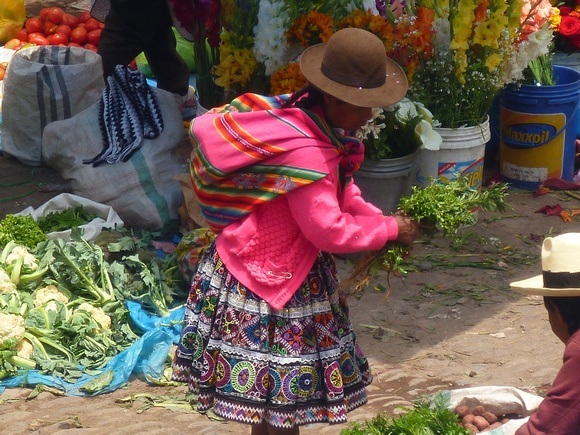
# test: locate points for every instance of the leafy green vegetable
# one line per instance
(422, 419)
(447, 207)
(450, 206)
(65, 219)
(21, 229)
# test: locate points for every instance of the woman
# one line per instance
(267, 339)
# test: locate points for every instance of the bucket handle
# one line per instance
(558, 133)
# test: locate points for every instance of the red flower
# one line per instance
(570, 26)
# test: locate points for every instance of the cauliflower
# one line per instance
(11, 327)
(24, 349)
(46, 296)
(98, 314)
(6, 285)
(29, 259)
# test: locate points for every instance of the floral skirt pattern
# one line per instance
(251, 363)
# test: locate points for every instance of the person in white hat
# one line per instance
(559, 284)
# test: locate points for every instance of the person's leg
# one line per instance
(265, 429)
(168, 67)
(119, 43)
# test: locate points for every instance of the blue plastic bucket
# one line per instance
(538, 129)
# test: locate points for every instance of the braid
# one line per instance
(305, 98)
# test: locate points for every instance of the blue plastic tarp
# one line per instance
(146, 356)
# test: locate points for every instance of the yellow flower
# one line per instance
(487, 34)
(492, 61)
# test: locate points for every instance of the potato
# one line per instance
(468, 419)
(462, 410)
(491, 418)
(478, 410)
(495, 425)
(480, 422)
(471, 428)
(505, 420)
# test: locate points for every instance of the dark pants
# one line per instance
(135, 26)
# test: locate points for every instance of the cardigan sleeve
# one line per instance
(355, 226)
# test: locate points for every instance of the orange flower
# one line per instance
(312, 28)
(287, 79)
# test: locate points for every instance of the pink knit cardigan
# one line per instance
(272, 250)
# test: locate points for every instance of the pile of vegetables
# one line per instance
(436, 207)
(62, 303)
(53, 26)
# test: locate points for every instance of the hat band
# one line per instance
(561, 279)
(355, 82)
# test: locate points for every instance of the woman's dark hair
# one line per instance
(305, 98)
(570, 309)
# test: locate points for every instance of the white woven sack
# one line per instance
(144, 190)
(45, 84)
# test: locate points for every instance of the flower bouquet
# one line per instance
(475, 46)
(399, 130)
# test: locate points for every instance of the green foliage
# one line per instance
(450, 206)
(65, 219)
(422, 419)
(21, 229)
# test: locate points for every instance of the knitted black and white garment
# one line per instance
(128, 113)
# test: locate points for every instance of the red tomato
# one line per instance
(49, 28)
(73, 44)
(44, 13)
(84, 16)
(57, 39)
(79, 35)
(22, 34)
(64, 29)
(33, 25)
(101, 25)
(91, 47)
(91, 24)
(93, 36)
(55, 15)
(37, 38)
(79, 25)
(70, 20)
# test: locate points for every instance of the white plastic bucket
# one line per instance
(383, 182)
(461, 153)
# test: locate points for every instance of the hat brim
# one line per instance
(535, 286)
(394, 89)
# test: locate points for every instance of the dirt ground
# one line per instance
(452, 322)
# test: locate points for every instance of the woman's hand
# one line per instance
(408, 229)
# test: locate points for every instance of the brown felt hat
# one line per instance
(353, 66)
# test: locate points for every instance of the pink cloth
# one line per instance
(559, 412)
(271, 250)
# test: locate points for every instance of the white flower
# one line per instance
(430, 138)
(270, 46)
(442, 28)
(405, 111)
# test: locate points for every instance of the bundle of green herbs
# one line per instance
(436, 207)
(423, 419)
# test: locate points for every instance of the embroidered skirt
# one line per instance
(294, 366)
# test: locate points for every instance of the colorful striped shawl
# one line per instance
(257, 151)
